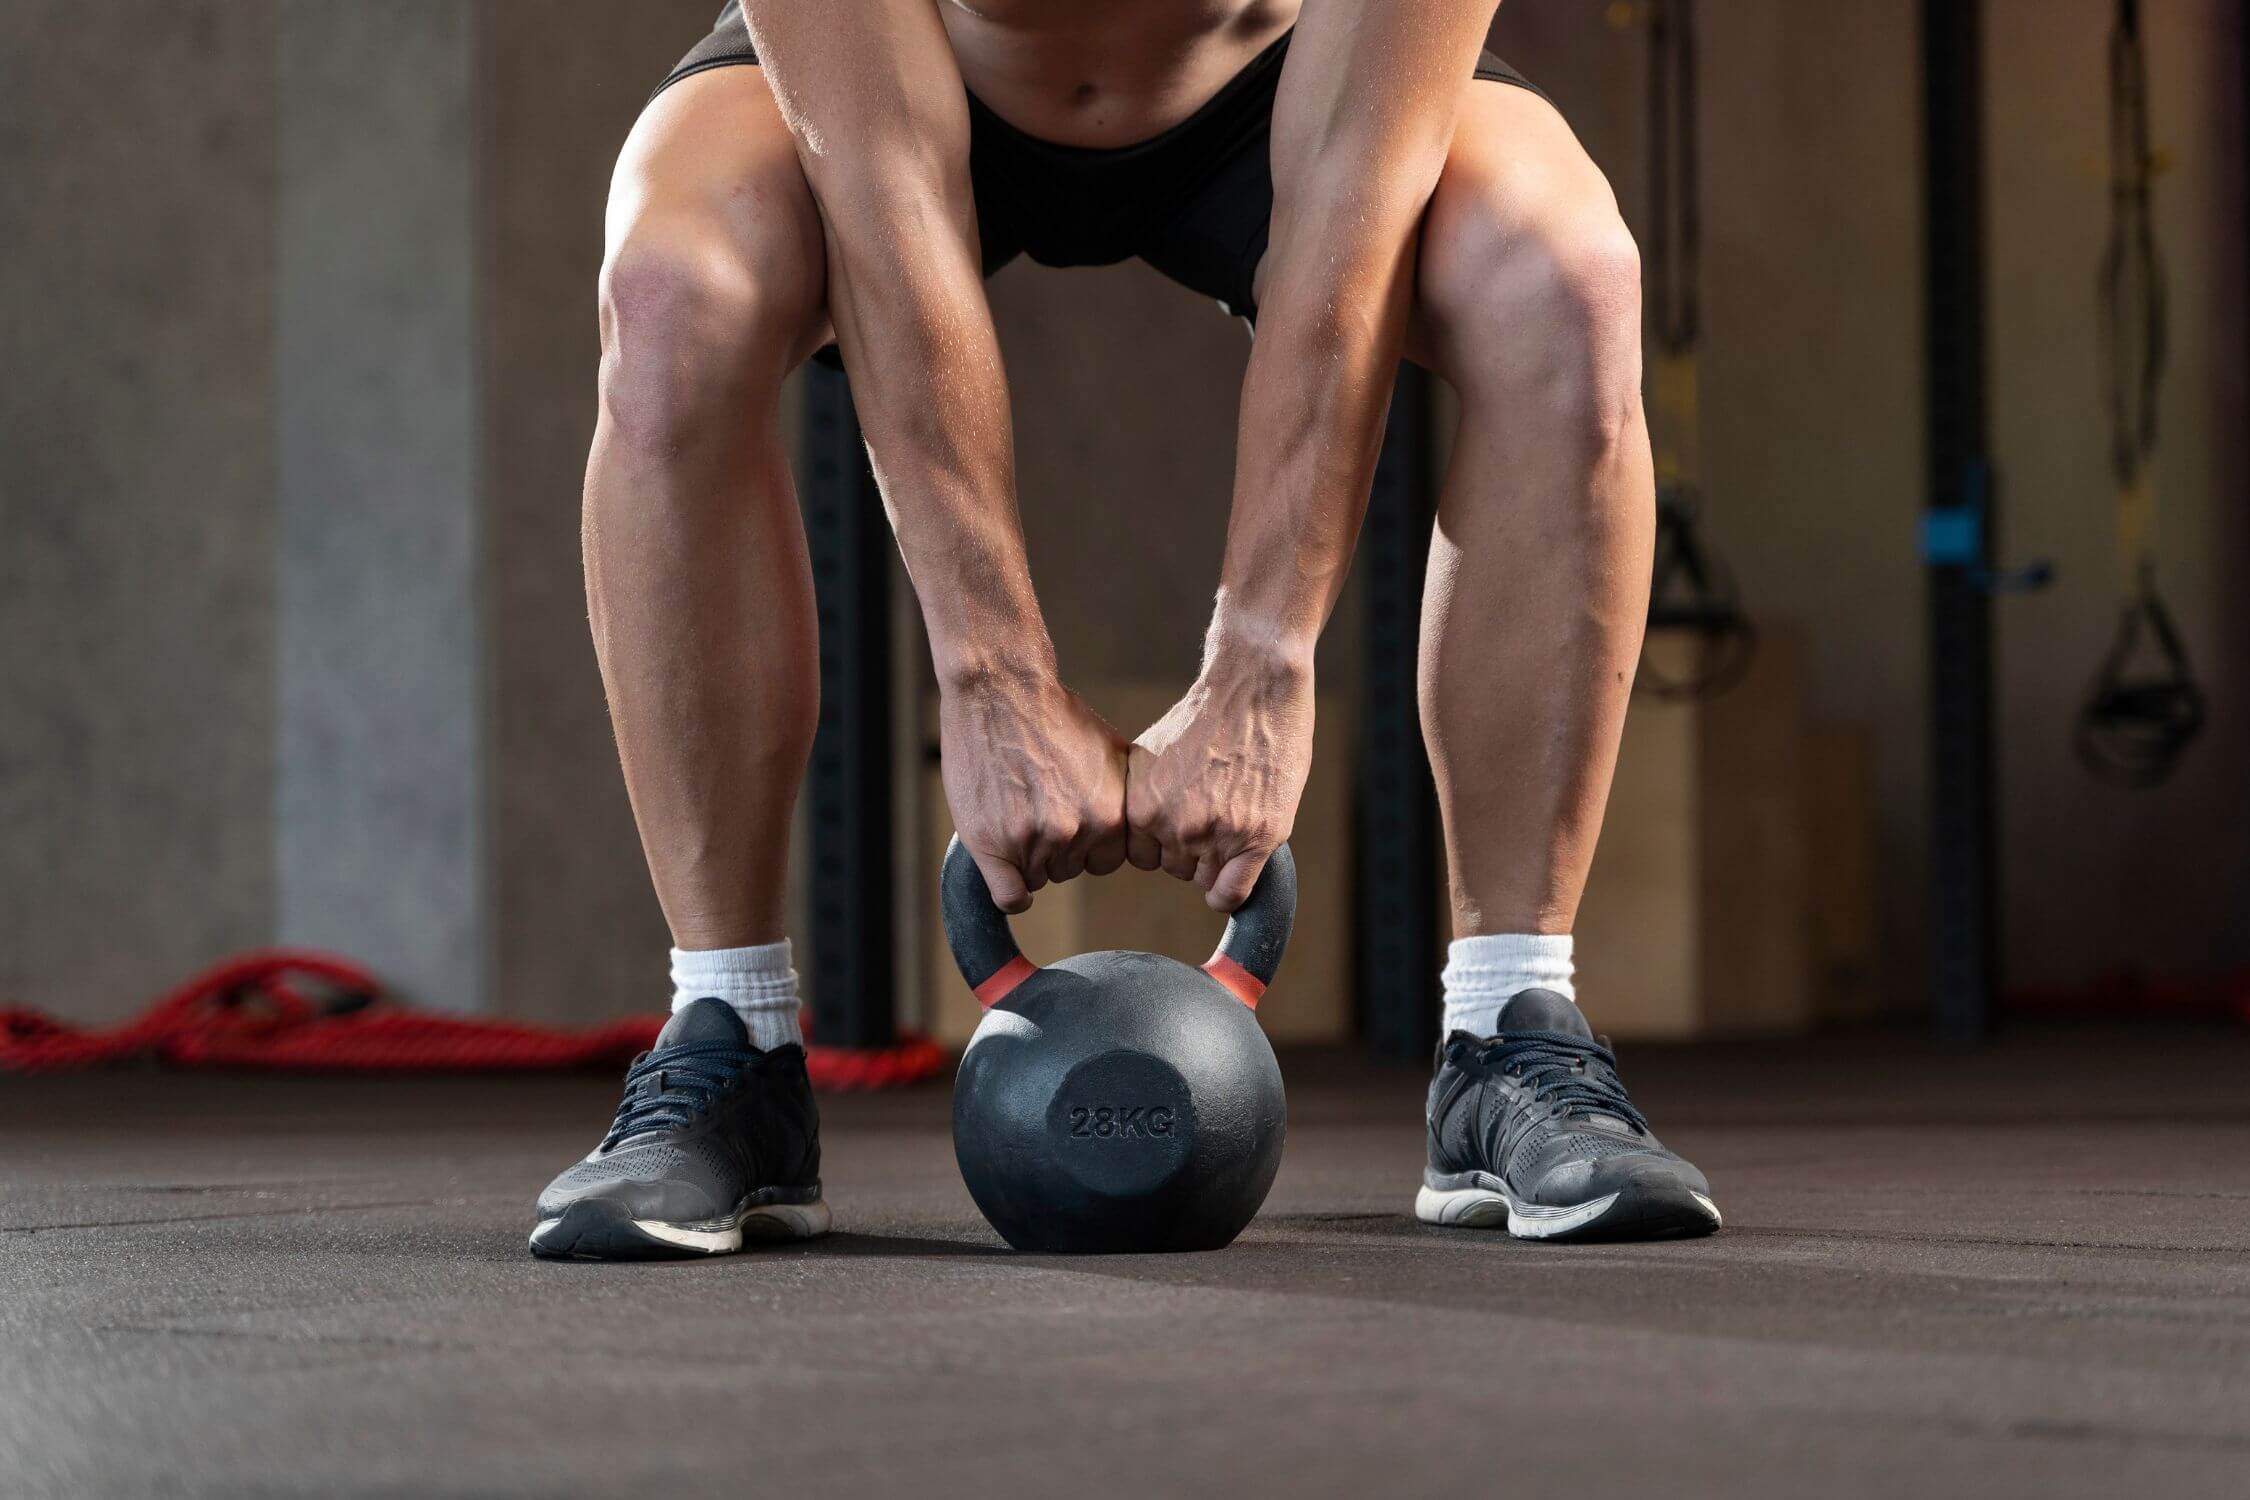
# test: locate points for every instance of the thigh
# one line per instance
(1517, 197)
(710, 176)
(1514, 162)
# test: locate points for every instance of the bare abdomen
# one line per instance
(1084, 73)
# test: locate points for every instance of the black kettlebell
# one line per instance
(1118, 1101)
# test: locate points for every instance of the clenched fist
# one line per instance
(1212, 787)
(1036, 780)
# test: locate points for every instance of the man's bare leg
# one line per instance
(696, 572)
(1529, 304)
(701, 597)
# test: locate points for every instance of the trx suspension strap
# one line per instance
(1691, 590)
(2144, 706)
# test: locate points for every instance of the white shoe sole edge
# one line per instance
(766, 1222)
(1490, 1207)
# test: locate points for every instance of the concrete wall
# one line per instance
(559, 82)
(136, 495)
(295, 646)
(379, 811)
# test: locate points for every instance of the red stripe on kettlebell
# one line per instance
(1246, 986)
(1004, 979)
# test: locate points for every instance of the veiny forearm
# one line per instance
(1313, 404)
(870, 91)
(1361, 129)
(916, 332)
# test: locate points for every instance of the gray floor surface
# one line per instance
(2021, 1273)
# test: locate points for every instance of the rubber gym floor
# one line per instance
(2022, 1272)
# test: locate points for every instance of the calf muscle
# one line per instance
(697, 583)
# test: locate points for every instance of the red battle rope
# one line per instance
(298, 1011)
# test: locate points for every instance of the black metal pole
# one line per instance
(1397, 819)
(848, 786)
(1959, 544)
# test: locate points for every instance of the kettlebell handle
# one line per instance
(985, 949)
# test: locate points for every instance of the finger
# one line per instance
(1179, 863)
(1045, 856)
(1005, 883)
(1237, 879)
(1143, 850)
(1069, 862)
(1207, 867)
(1106, 854)
(1093, 835)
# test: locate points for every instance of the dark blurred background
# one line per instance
(296, 306)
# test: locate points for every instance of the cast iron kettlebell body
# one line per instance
(1118, 1101)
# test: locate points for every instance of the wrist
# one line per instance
(1024, 666)
(1266, 665)
(1245, 645)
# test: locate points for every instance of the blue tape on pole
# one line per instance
(1953, 536)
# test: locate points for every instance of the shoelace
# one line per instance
(673, 1087)
(1559, 1068)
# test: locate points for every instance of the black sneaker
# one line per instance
(1531, 1129)
(715, 1143)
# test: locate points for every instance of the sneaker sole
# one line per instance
(1632, 1213)
(593, 1230)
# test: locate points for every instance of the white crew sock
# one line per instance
(758, 982)
(1484, 973)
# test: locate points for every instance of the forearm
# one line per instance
(871, 93)
(932, 399)
(1361, 130)
(1313, 404)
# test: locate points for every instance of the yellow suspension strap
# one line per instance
(2144, 706)
(1691, 590)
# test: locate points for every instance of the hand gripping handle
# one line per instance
(985, 949)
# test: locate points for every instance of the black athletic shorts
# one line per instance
(1194, 202)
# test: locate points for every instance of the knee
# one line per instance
(1540, 311)
(694, 326)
